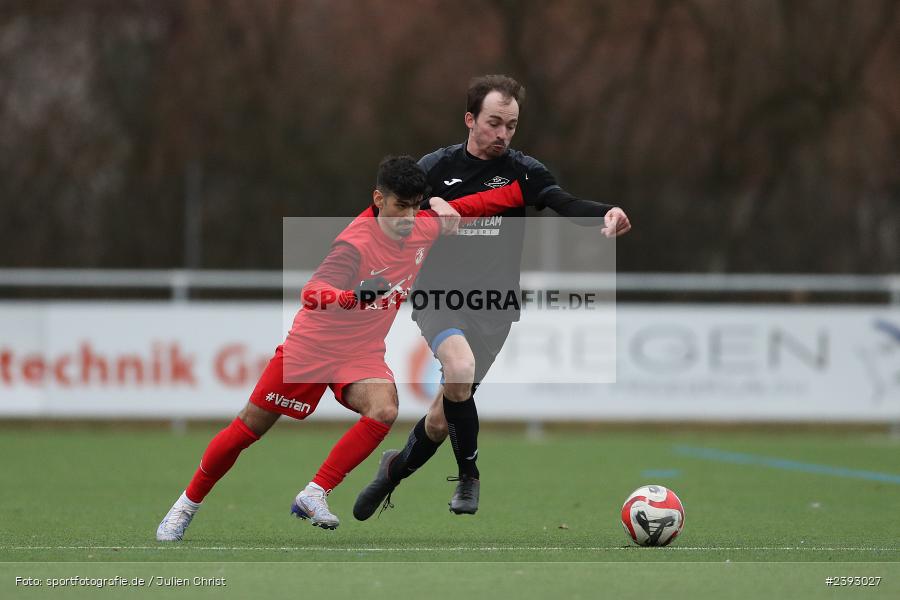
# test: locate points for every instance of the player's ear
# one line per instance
(470, 120)
(378, 199)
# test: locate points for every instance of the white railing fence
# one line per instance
(180, 282)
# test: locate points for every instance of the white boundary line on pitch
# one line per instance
(166, 547)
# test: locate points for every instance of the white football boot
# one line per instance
(177, 520)
(311, 504)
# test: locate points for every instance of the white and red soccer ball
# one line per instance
(653, 516)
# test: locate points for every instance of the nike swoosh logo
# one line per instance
(473, 456)
(374, 272)
(452, 181)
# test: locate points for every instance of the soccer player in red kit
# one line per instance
(337, 339)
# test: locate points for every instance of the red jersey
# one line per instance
(335, 333)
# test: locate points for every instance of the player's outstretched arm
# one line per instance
(490, 202)
(480, 204)
(586, 212)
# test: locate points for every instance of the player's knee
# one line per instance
(459, 372)
(457, 392)
(259, 421)
(384, 411)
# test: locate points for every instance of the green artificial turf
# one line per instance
(86, 502)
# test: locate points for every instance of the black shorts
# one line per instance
(485, 336)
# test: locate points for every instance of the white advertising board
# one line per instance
(671, 362)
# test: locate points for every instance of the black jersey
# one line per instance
(486, 254)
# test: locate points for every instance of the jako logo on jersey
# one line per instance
(420, 255)
(453, 181)
(283, 402)
(496, 182)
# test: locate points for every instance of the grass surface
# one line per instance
(548, 516)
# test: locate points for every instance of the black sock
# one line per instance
(462, 422)
(419, 448)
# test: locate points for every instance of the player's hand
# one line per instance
(447, 214)
(616, 222)
(371, 289)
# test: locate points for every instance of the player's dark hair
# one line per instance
(481, 86)
(403, 177)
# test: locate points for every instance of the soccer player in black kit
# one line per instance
(484, 256)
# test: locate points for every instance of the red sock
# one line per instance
(353, 448)
(220, 455)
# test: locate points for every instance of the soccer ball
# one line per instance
(653, 516)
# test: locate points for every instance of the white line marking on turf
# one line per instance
(453, 548)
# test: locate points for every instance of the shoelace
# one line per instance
(465, 490)
(320, 502)
(387, 501)
(176, 515)
(387, 504)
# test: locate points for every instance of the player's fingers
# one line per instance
(449, 224)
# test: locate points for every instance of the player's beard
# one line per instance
(496, 150)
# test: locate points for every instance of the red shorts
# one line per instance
(300, 399)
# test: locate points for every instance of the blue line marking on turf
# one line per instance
(650, 473)
(784, 464)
